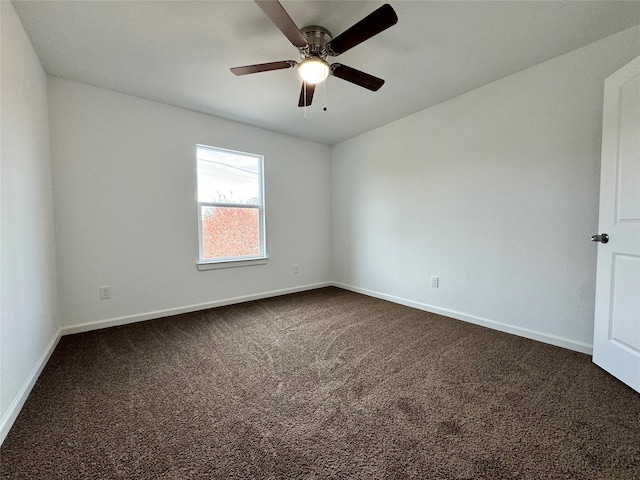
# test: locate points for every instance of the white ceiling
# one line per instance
(180, 52)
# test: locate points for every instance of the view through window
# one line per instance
(230, 205)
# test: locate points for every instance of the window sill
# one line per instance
(231, 263)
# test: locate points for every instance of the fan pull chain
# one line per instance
(324, 96)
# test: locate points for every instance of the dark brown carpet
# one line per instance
(326, 384)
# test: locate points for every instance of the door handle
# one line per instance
(602, 238)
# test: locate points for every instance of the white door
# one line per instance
(616, 342)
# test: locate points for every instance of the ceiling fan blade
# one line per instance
(263, 67)
(374, 23)
(356, 76)
(279, 16)
(311, 87)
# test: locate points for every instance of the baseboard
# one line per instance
(141, 317)
(14, 409)
(485, 322)
(18, 402)
(503, 327)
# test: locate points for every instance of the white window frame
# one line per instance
(246, 260)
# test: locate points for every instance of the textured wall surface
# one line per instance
(126, 216)
(496, 192)
(29, 297)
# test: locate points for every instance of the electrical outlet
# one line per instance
(295, 268)
(435, 281)
(105, 292)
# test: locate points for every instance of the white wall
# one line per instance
(28, 293)
(125, 191)
(495, 191)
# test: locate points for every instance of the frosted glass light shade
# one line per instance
(313, 70)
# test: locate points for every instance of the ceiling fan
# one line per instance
(315, 44)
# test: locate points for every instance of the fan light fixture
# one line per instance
(313, 70)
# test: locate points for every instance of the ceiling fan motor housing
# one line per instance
(317, 37)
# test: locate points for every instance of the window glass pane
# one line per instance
(229, 232)
(228, 177)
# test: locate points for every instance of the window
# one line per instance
(230, 208)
